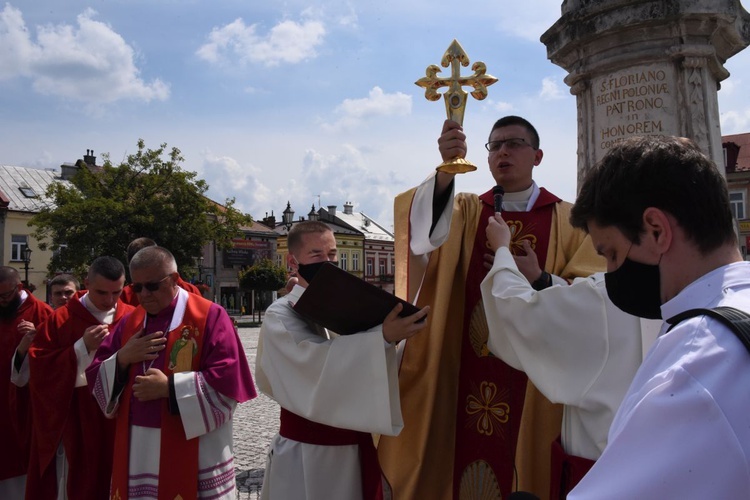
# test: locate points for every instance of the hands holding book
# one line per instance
(396, 328)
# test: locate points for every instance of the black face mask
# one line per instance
(308, 271)
(635, 288)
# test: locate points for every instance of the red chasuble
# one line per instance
(178, 463)
(65, 412)
(491, 393)
(15, 408)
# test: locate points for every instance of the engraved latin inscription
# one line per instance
(636, 101)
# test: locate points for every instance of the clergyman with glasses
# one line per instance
(464, 409)
(161, 409)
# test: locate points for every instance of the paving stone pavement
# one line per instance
(255, 423)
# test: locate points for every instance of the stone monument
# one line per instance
(646, 67)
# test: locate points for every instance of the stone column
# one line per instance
(646, 67)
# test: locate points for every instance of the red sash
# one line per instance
(178, 462)
(303, 430)
(490, 392)
(566, 471)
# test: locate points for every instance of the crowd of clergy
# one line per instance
(536, 365)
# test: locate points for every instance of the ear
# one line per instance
(658, 229)
(538, 157)
(291, 261)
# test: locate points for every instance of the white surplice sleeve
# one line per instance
(420, 219)
(561, 342)
(349, 382)
(202, 409)
(20, 377)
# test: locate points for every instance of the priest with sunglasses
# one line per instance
(173, 420)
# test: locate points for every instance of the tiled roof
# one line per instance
(25, 187)
(743, 141)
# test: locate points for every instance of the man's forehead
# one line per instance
(510, 131)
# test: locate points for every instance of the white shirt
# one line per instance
(683, 430)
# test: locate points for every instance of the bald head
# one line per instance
(9, 275)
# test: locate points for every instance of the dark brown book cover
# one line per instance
(346, 304)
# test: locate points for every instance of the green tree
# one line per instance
(264, 275)
(104, 208)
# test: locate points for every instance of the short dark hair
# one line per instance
(294, 238)
(107, 267)
(668, 173)
(138, 244)
(509, 120)
(64, 279)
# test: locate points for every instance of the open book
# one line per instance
(346, 304)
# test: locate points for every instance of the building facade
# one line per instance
(737, 165)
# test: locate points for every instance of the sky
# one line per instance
(306, 101)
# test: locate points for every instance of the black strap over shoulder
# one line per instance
(735, 319)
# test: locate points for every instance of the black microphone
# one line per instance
(498, 193)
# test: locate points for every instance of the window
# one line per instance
(382, 267)
(737, 202)
(355, 262)
(370, 267)
(28, 192)
(342, 261)
(18, 243)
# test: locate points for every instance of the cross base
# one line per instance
(456, 166)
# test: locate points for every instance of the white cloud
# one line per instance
(351, 112)
(288, 42)
(346, 177)
(735, 122)
(530, 22)
(227, 178)
(551, 89)
(499, 106)
(90, 62)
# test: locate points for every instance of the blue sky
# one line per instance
(285, 100)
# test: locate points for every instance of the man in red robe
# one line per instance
(128, 295)
(67, 420)
(20, 315)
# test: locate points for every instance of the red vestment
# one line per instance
(67, 413)
(130, 297)
(15, 409)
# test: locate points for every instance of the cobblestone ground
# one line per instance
(255, 423)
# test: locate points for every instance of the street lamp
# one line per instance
(26, 261)
(287, 217)
(200, 269)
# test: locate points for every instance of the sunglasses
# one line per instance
(151, 286)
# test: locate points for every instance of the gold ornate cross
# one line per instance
(455, 96)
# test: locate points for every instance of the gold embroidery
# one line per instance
(479, 331)
(519, 233)
(486, 409)
(478, 482)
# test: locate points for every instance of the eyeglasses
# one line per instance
(512, 144)
(151, 286)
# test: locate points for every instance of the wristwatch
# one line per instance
(544, 281)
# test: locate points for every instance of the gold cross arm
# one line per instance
(455, 96)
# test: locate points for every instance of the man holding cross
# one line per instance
(464, 409)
